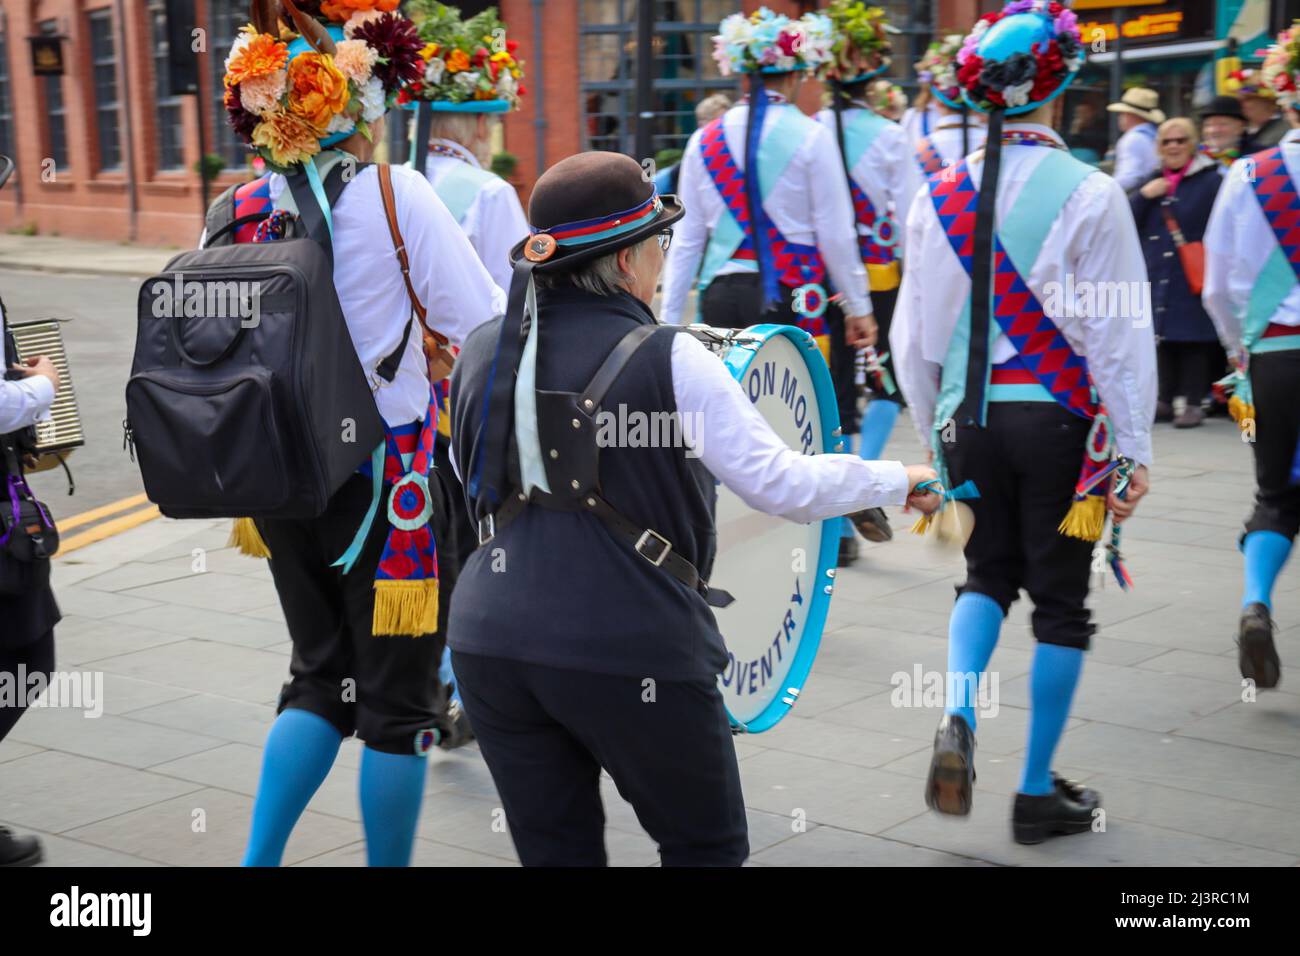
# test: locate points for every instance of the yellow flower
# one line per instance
(289, 138)
(317, 90)
(429, 51)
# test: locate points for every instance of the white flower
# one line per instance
(237, 47)
(1018, 95)
(434, 70)
(340, 123)
(373, 102)
(735, 29)
(506, 85)
(468, 81)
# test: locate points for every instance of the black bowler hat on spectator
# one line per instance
(1223, 106)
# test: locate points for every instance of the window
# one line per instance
(56, 144)
(103, 59)
(684, 69)
(225, 18)
(167, 108)
(6, 109)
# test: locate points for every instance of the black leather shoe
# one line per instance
(18, 850)
(848, 552)
(950, 786)
(458, 732)
(1255, 651)
(873, 524)
(1069, 808)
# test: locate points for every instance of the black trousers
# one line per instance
(1275, 381)
(546, 732)
(1025, 464)
(35, 657)
(844, 360)
(735, 301)
(1187, 369)
(383, 689)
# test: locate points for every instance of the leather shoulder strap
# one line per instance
(399, 246)
(613, 366)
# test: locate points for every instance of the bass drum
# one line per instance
(780, 573)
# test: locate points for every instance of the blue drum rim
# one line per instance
(819, 604)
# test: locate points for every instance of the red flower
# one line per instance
(1054, 8)
(969, 73)
(995, 98)
(521, 90)
(786, 41)
(512, 45)
(991, 18)
(479, 56)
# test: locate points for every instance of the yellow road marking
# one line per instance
(108, 529)
(76, 521)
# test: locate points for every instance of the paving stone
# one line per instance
(1270, 722)
(230, 720)
(106, 638)
(239, 672)
(11, 749)
(831, 846)
(425, 853)
(845, 744)
(213, 626)
(61, 851)
(117, 740)
(214, 591)
(135, 574)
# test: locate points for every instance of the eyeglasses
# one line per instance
(665, 239)
(1178, 141)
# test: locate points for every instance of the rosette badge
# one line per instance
(1021, 58)
(468, 66)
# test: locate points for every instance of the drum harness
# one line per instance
(577, 446)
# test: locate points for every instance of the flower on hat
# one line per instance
(261, 94)
(341, 10)
(772, 42)
(287, 138)
(317, 90)
(1281, 70)
(938, 67)
(464, 61)
(356, 60)
(1025, 77)
(861, 43)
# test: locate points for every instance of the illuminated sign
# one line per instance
(1147, 26)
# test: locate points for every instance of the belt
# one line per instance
(646, 542)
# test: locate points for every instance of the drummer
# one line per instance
(582, 632)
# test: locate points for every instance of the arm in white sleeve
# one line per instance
(1135, 159)
(1228, 278)
(742, 451)
(24, 402)
(690, 235)
(501, 224)
(450, 279)
(834, 223)
(918, 378)
(904, 181)
(1121, 348)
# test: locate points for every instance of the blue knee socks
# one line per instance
(877, 425)
(392, 787)
(299, 753)
(447, 675)
(972, 634)
(1052, 681)
(1266, 552)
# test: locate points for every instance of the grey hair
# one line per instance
(458, 127)
(600, 276)
(711, 107)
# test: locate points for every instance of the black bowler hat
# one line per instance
(590, 205)
(1223, 106)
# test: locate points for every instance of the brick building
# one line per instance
(106, 151)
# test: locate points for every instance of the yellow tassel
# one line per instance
(1241, 412)
(407, 608)
(1086, 519)
(923, 524)
(245, 536)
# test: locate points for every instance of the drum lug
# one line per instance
(829, 589)
(830, 572)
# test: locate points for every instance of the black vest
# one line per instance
(556, 587)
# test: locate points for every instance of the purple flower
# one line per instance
(1019, 6)
(1067, 22)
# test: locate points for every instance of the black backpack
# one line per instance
(246, 396)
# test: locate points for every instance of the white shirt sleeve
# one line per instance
(456, 290)
(690, 234)
(1229, 275)
(904, 180)
(1135, 159)
(918, 378)
(24, 402)
(742, 451)
(500, 224)
(834, 223)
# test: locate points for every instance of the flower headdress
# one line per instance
(938, 68)
(288, 94)
(468, 65)
(1020, 58)
(886, 96)
(862, 45)
(767, 42)
(1280, 73)
(1248, 82)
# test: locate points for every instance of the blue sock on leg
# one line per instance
(300, 750)
(973, 633)
(1266, 552)
(877, 426)
(392, 788)
(447, 675)
(1052, 680)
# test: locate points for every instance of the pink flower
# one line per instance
(355, 59)
(261, 94)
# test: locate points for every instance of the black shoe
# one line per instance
(18, 850)
(1255, 651)
(456, 729)
(848, 552)
(873, 524)
(1164, 412)
(1069, 808)
(951, 783)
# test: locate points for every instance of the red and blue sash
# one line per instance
(872, 252)
(250, 198)
(1279, 201)
(927, 154)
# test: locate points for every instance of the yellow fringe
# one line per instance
(245, 536)
(1086, 519)
(1241, 412)
(923, 524)
(407, 608)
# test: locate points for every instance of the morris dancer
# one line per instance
(314, 108)
(1016, 399)
(954, 133)
(471, 76)
(1251, 293)
(582, 631)
(882, 176)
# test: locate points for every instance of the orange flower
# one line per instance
(457, 61)
(262, 54)
(317, 90)
(289, 138)
(340, 10)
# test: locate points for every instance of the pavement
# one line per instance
(189, 642)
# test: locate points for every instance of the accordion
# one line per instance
(61, 431)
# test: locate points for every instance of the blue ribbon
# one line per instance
(760, 223)
(353, 552)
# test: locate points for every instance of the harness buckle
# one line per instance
(487, 529)
(666, 547)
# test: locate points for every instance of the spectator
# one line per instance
(1178, 198)
(1265, 125)
(1223, 125)
(1135, 152)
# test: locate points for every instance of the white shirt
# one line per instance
(914, 120)
(887, 172)
(810, 204)
(451, 282)
(24, 401)
(946, 137)
(1238, 241)
(1093, 240)
(1135, 156)
(494, 221)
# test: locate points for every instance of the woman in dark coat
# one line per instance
(1187, 346)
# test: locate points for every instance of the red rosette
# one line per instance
(409, 506)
